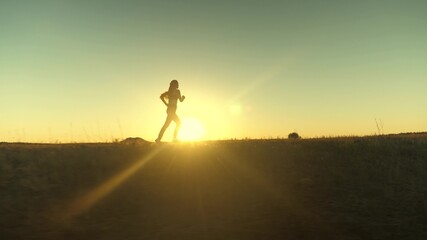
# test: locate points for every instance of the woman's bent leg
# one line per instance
(177, 127)
(165, 126)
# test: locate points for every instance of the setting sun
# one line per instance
(191, 129)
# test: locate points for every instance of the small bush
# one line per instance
(294, 135)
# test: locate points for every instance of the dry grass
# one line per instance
(332, 188)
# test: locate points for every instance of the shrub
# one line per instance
(294, 135)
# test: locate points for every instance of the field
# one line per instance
(332, 188)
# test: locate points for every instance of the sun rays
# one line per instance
(87, 201)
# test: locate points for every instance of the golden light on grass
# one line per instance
(87, 201)
(192, 129)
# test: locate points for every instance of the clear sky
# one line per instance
(93, 70)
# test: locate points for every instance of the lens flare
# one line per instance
(235, 109)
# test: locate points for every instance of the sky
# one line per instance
(93, 70)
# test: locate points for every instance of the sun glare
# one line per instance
(191, 130)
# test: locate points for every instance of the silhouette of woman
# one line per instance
(172, 95)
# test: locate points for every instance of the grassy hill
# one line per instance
(332, 188)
